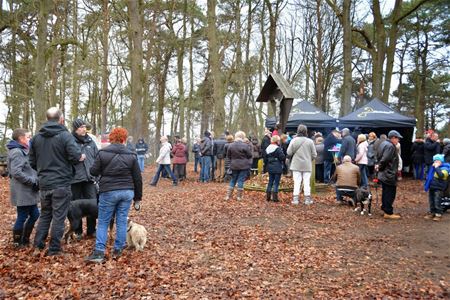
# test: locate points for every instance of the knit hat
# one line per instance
(207, 133)
(439, 157)
(77, 123)
(446, 141)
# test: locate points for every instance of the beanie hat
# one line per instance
(439, 157)
(207, 133)
(77, 123)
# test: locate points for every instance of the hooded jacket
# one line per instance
(141, 147)
(53, 153)
(82, 169)
(274, 159)
(23, 177)
(118, 169)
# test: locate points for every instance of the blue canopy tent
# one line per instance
(307, 114)
(378, 117)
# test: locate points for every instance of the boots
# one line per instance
(275, 197)
(17, 238)
(239, 194)
(268, 196)
(26, 235)
(229, 193)
(295, 200)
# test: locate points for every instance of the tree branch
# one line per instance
(412, 9)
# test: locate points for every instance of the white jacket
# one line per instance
(361, 156)
(164, 154)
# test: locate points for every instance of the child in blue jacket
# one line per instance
(437, 181)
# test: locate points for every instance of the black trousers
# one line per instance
(54, 207)
(388, 197)
(85, 190)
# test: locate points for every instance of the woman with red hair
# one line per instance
(120, 183)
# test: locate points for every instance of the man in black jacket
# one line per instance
(348, 146)
(387, 166)
(328, 158)
(264, 144)
(53, 153)
(83, 183)
(432, 147)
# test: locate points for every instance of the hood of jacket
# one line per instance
(51, 129)
(118, 149)
(271, 148)
(15, 144)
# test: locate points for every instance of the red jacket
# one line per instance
(179, 154)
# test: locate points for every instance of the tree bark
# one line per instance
(347, 53)
(105, 72)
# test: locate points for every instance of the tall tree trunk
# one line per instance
(40, 101)
(136, 58)
(74, 99)
(215, 63)
(191, 80)
(320, 64)
(180, 60)
(347, 53)
(105, 75)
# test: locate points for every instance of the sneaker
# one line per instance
(116, 253)
(392, 216)
(308, 200)
(96, 257)
(437, 217)
(429, 216)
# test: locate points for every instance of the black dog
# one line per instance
(77, 210)
(363, 196)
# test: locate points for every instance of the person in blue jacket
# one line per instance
(436, 184)
(274, 159)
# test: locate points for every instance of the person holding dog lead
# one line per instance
(83, 183)
(387, 167)
(24, 187)
(120, 183)
(53, 153)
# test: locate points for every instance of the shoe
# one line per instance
(96, 257)
(392, 216)
(78, 236)
(308, 200)
(55, 253)
(116, 253)
(295, 200)
(429, 216)
(152, 184)
(37, 251)
(437, 217)
(175, 184)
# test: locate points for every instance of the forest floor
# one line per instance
(200, 246)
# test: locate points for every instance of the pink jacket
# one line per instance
(361, 156)
(179, 154)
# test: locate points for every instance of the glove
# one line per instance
(35, 187)
(137, 205)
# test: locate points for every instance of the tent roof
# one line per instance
(307, 114)
(273, 82)
(376, 114)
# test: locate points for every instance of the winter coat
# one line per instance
(347, 175)
(387, 163)
(164, 154)
(118, 169)
(23, 177)
(141, 148)
(274, 159)
(361, 156)
(131, 147)
(371, 153)
(320, 149)
(439, 179)
(264, 144)
(179, 154)
(206, 146)
(418, 152)
(53, 153)
(446, 153)
(302, 152)
(196, 150)
(219, 148)
(348, 147)
(431, 148)
(256, 149)
(328, 144)
(82, 169)
(239, 154)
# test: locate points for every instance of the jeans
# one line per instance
(363, 172)
(196, 162)
(418, 171)
(26, 217)
(300, 177)
(340, 194)
(54, 208)
(118, 201)
(206, 169)
(274, 180)
(434, 198)
(158, 173)
(327, 165)
(141, 159)
(238, 177)
(387, 197)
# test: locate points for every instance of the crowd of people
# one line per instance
(57, 168)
